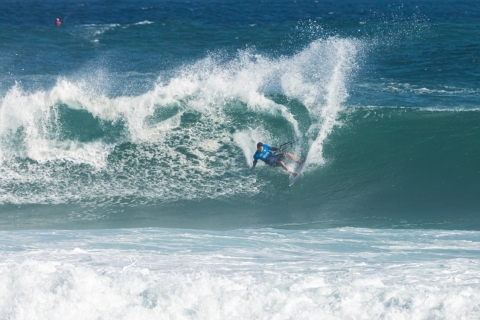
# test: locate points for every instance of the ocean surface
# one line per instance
(126, 143)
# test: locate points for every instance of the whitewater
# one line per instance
(159, 273)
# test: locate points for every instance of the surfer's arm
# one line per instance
(254, 163)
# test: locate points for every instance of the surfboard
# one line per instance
(292, 179)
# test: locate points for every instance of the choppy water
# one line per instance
(132, 124)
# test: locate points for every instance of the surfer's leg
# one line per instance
(286, 169)
(291, 157)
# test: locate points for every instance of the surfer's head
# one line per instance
(259, 147)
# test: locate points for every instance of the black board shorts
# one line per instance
(274, 159)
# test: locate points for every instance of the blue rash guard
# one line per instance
(268, 156)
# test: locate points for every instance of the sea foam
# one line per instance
(272, 274)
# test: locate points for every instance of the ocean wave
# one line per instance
(189, 132)
(395, 87)
(94, 30)
(353, 108)
(144, 22)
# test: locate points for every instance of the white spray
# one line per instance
(324, 115)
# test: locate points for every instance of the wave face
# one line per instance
(190, 138)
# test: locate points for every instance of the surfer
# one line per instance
(264, 153)
(58, 22)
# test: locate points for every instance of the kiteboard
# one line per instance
(292, 179)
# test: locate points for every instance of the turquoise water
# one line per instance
(126, 144)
